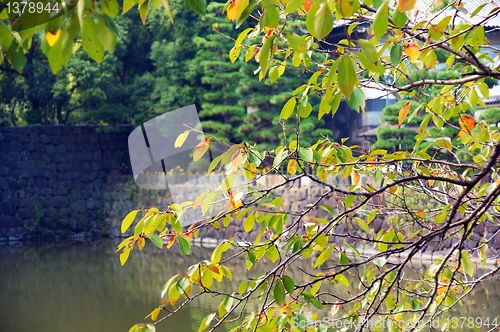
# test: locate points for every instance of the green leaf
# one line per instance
(381, 20)
(169, 284)
(279, 293)
(184, 244)
(16, 58)
(272, 253)
(323, 257)
(396, 52)
(362, 224)
(288, 108)
(467, 264)
(128, 220)
(289, 284)
(249, 223)
(143, 10)
(342, 280)
(346, 78)
(358, 99)
(205, 323)
(399, 18)
(142, 328)
(127, 5)
(106, 35)
(6, 37)
(198, 6)
(90, 39)
(319, 20)
(306, 154)
(218, 251)
(225, 306)
(270, 17)
(344, 260)
(155, 238)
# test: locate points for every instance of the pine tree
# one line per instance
(220, 112)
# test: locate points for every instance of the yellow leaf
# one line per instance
(393, 189)
(124, 255)
(235, 199)
(355, 177)
(403, 113)
(128, 220)
(155, 313)
(412, 50)
(467, 123)
(406, 5)
(52, 38)
(323, 257)
(235, 9)
(181, 138)
(292, 165)
(201, 149)
(420, 213)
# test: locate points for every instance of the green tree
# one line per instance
(220, 110)
(443, 203)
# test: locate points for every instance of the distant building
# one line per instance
(361, 127)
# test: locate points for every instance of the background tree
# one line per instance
(441, 201)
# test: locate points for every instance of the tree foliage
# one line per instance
(424, 198)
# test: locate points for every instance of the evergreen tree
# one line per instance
(220, 110)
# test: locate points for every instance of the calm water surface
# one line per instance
(80, 286)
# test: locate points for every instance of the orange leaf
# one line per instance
(307, 5)
(355, 177)
(467, 123)
(406, 5)
(52, 38)
(171, 242)
(235, 8)
(234, 199)
(141, 243)
(189, 233)
(420, 213)
(413, 51)
(213, 268)
(403, 113)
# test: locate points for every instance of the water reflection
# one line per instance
(81, 287)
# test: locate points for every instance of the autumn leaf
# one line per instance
(412, 50)
(307, 5)
(466, 123)
(155, 313)
(355, 177)
(403, 113)
(420, 213)
(235, 199)
(52, 38)
(181, 138)
(190, 231)
(141, 243)
(201, 149)
(236, 7)
(171, 242)
(406, 5)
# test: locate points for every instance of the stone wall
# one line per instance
(66, 181)
(53, 178)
